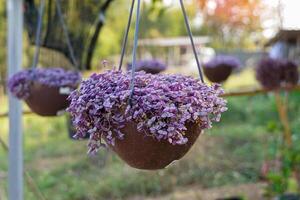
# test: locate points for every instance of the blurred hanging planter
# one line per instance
(149, 66)
(44, 90)
(167, 115)
(218, 69)
(274, 74)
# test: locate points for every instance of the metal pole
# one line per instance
(14, 46)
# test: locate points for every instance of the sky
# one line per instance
(290, 12)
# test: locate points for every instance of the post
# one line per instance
(14, 59)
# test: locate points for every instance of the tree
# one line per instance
(88, 15)
(232, 20)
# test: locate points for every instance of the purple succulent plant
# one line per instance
(149, 66)
(268, 73)
(274, 73)
(19, 84)
(218, 61)
(162, 105)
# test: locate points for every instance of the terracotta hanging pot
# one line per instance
(145, 152)
(217, 74)
(47, 101)
(219, 68)
(45, 91)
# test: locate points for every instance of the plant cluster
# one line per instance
(20, 83)
(275, 73)
(161, 106)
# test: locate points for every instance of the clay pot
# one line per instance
(45, 100)
(217, 74)
(145, 152)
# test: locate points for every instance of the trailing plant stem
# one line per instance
(283, 116)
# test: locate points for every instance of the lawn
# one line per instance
(230, 153)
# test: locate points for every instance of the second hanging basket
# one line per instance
(45, 91)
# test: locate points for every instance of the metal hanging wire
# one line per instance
(188, 28)
(135, 44)
(66, 33)
(124, 44)
(38, 34)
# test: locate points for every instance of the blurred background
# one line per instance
(236, 158)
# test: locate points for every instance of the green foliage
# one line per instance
(286, 179)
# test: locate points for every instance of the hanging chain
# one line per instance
(135, 44)
(124, 44)
(38, 34)
(66, 33)
(192, 40)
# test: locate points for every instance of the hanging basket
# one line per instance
(219, 68)
(148, 120)
(218, 74)
(275, 73)
(45, 91)
(157, 125)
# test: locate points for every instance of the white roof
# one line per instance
(178, 41)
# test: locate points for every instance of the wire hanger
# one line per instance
(135, 44)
